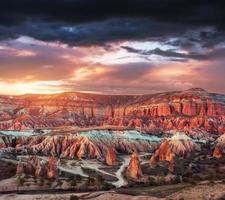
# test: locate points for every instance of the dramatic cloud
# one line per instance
(96, 22)
(210, 55)
(139, 46)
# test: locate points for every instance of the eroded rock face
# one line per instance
(2, 143)
(92, 144)
(11, 141)
(184, 111)
(110, 157)
(134, 168)
(217, 153)
(19, 168)
(219, 150)
(52, 168)
(40, 168)
(178, 145)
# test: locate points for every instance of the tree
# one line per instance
(73, 197)
(73, 182)
(99, 181)
(20, 181)
(90, 181)
(180, 169)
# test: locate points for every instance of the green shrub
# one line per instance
(73, 183)
(90, 181)
(73, 197)
(20, 180)
(78, 177)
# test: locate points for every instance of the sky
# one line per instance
(111, 47)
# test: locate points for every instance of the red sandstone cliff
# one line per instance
(37, 167)
(177, 145)
(93, 145)
(185, 110)
(217, 153)
(219, 150)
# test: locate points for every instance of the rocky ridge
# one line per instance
(184, 111)
(89, 144)
(178, 145)
(37, 167)
(219, 150)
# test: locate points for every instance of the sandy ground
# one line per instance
(90, 196)
(200, 192)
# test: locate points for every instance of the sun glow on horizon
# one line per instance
(36, 87)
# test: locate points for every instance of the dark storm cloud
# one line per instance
(211, 55)
(84, 22)
(208, 38)
(180, 11)
(93, 33)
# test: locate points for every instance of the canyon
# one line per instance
(194, 111)
(93, 142)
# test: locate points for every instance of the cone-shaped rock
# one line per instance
(219, 150)
(217, 153)
(52, 169)
(178, 145)
(110, 157)
(134, 168)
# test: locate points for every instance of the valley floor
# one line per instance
(203, 191)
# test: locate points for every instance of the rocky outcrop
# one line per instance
(134, 169)
(219, 149)
(2, 143)
(11, 141)
(178, 145)
(41, 169)
(110, 157)
(217, 153)
(52, 167)
(37, 167)
(184, 111)
(90, 144)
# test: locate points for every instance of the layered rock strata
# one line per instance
(184, 111)
(178, 145)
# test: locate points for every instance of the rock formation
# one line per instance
(219, 149)
(178, 145)
(134, 168)
(52, 167)
(90, 144)
(31, 165)
(217, 153)
(37, 167)
(19, 169)
(183, 111)
(41, 169)
(110, 157)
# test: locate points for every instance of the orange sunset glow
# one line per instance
(115, 55)
(112, 99)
